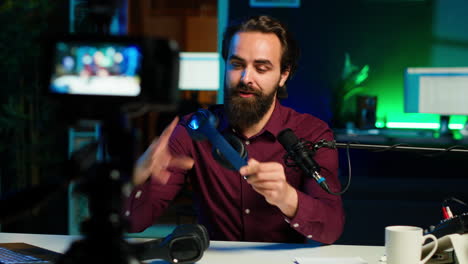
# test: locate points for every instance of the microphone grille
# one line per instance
(287, 139)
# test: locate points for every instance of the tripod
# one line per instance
(104, 184)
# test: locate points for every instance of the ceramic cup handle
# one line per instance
(434, 248)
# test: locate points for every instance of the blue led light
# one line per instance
(194, 124)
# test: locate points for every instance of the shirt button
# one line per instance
(138, 194)
(127, 213)
(247, 211)
(296, 225)
(309, 236)
(247, 142)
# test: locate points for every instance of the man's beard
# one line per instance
(245, 112)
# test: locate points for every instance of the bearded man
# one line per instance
(275, 203)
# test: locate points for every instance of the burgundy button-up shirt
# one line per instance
(229, 207)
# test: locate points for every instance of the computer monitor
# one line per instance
(199, 71)
(437, 90)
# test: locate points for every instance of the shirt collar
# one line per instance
(275, 123)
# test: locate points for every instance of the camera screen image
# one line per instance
(96, 68)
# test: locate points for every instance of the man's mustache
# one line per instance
(245, 89)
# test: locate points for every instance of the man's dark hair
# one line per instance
(267, 24)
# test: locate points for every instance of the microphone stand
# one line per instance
(377, 148)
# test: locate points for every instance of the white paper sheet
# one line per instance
(319, 260)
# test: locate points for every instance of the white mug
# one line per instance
(403, 245)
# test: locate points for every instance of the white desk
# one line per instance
(227, 252)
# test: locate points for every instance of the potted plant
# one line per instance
(351, 84)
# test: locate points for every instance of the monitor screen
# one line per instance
(96, 68)
(199, 71)
(441, 91)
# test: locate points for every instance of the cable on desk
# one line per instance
(331, 145)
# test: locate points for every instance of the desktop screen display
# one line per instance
(441, 91)
(199, 71)
(111, 69)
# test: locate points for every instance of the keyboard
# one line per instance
(10, 257)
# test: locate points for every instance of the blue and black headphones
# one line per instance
(228, 150)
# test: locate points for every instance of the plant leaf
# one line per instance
(353, 92)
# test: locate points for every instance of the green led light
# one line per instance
(456, 126)
(379, 124)
(457, 135)
(388, 87)
(413, 125)
(420, 125)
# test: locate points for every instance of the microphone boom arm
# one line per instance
(400, 147)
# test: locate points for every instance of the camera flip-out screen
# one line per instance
(93, 75)
(99, 68)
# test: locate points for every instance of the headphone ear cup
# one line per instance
(197, 121)
(195, 229)
(203, 233)
(236, 144)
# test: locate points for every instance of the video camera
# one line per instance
(108, 79)
(94, 76)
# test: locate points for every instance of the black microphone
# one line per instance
(301, 153)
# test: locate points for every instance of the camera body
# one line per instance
(94, 76)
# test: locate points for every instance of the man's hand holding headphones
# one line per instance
(269, 180)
